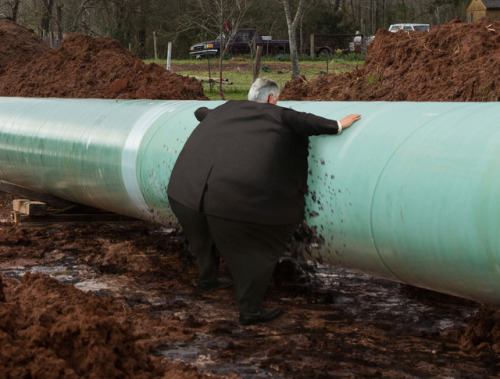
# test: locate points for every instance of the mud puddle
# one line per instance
(330, 303)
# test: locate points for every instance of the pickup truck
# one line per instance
(241, 43)
(409, 27)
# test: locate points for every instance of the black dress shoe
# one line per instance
(217, 284)
(263, 316)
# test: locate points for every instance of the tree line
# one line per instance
(185, 22)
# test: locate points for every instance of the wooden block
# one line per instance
(26, 193)
(28, 207)
(17, 203)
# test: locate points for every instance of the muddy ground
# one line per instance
(107, 300)
(130, 308)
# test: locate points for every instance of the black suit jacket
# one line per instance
(251, 159)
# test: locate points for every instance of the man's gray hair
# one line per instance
(261, 89)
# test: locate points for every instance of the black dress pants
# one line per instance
(250, 251)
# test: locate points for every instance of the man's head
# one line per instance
(264, 90)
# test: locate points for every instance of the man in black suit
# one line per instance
(237, 189)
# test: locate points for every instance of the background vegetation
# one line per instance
(185, 22)
(240, 77)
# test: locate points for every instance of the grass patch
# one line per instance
(238, 71)
(375, 77)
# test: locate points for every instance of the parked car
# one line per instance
(241, 43)
(409, 27)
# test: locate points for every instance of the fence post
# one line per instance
(256, 67)
(311, 46)
(169, 55)
(154, 46)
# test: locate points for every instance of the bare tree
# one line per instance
(14, 8)
(292, 33)
(47, 10)
(79, 16)
(223, 17)
(59, 21)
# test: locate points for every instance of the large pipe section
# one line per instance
(409, 193)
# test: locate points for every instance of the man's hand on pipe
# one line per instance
(349, 120)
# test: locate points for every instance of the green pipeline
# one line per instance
(410, 193)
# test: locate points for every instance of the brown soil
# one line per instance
(18, 43)
(452, 62)
(91, 67)
(118, 299)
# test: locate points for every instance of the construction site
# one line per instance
(104, 294)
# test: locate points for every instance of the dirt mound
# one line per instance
(483, 330)
(50, 329)
(18, 42)
(94, 67)
(452, 62)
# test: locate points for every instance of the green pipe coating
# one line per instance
(409, 193)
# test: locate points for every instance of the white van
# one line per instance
(409, 27)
